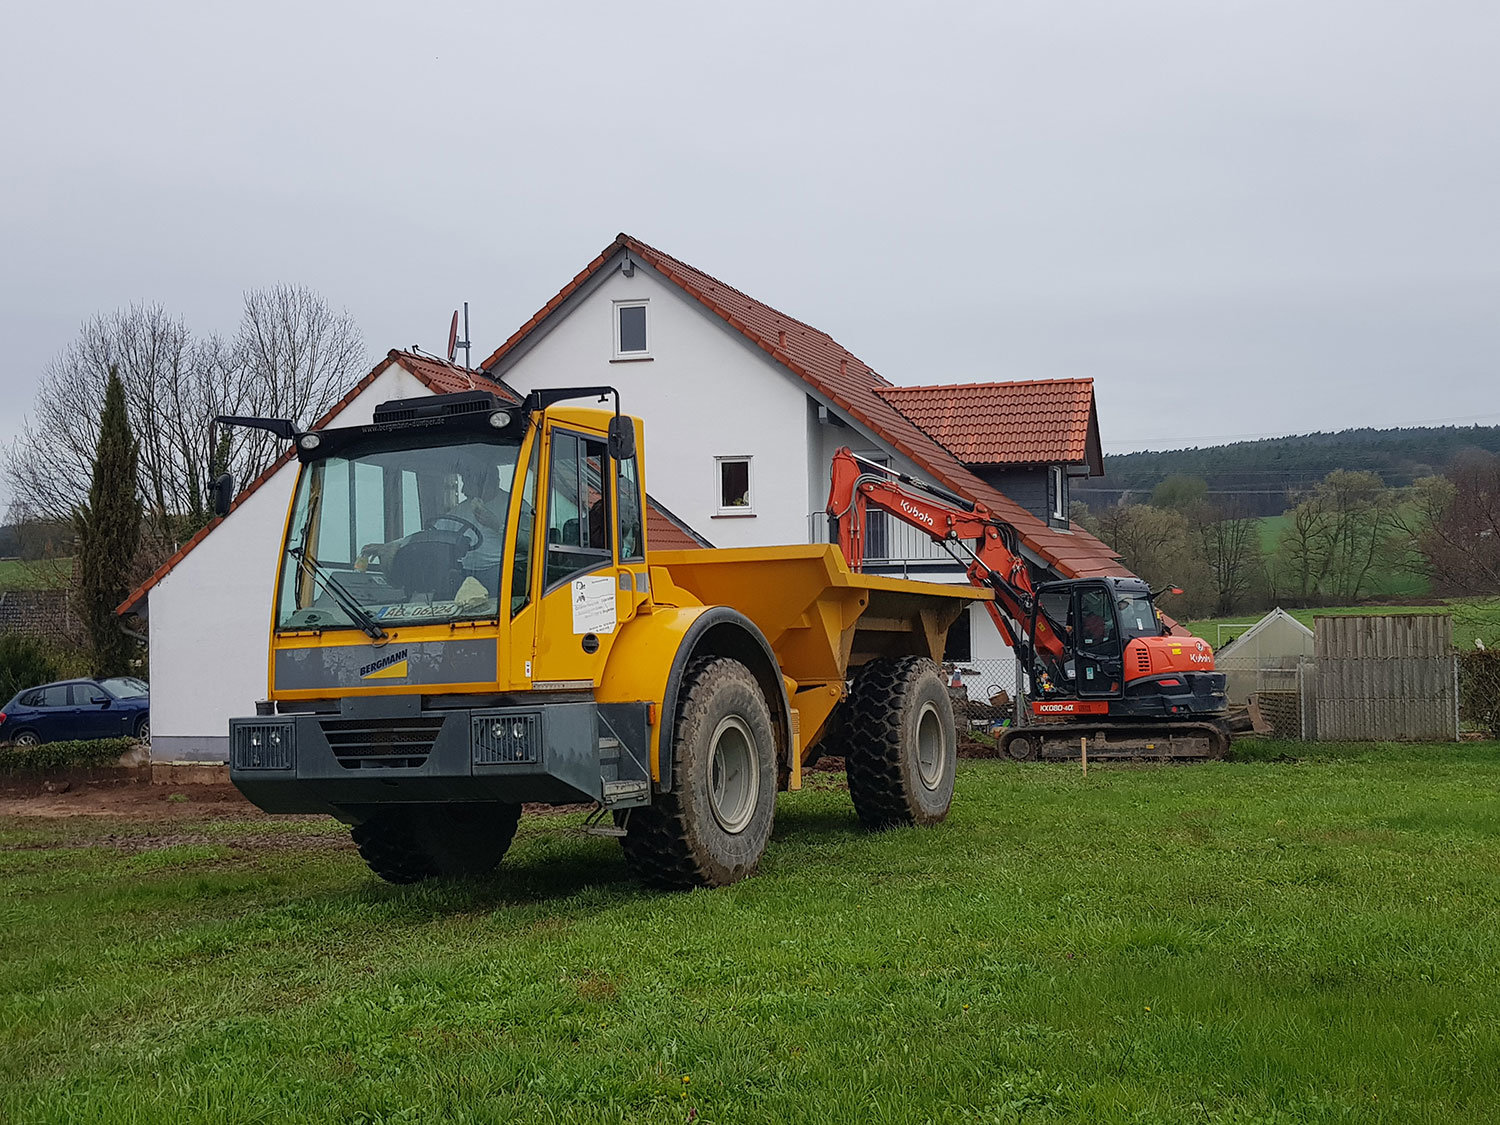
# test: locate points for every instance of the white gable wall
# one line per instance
(210, 617)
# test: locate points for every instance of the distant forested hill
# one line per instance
(1270, 475)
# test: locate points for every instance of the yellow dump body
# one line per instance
(820, 617)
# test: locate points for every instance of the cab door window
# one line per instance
(579, 526)
(1097, 656)
(1096, 621)
(632, 534)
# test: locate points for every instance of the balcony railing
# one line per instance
(890, 545)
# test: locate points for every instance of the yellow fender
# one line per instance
(650, 657)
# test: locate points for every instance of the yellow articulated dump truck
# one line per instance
(467, 617)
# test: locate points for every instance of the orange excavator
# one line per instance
(1101, 662)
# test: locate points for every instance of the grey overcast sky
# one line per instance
(1240, 218)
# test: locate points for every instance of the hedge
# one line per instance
(81, 754)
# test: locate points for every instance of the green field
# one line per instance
(1472, 617)
(42, 574)
(1272, 940)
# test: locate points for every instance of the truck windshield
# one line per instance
(406, 535)
(1137, 617)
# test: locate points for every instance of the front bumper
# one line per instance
(390, 750)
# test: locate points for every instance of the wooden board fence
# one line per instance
(1385, 677)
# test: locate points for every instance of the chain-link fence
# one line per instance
(983, 691)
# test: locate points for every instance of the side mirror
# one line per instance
(223, 493)
(621, 438)
(101, 700)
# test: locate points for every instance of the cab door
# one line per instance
(578, 613)
(1099, 654)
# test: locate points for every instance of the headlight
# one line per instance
(500, 419)
(263, 746)
(309, 441)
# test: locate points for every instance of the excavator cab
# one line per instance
(1085, 619)
(1113, 648)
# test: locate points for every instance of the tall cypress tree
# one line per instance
(109, 532)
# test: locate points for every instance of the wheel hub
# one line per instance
(932, 747)
(733, 780)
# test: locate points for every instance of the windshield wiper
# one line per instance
(335, 589)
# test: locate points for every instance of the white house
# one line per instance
(743, 406)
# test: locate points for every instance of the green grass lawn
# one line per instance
(1472, 617)
(43, 574)
(1262, 941)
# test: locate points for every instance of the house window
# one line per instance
(1059, 490)
(630, 330)
(734, 485)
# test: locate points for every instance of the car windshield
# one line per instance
(125, 687)
(1137, 617)
(401, 535)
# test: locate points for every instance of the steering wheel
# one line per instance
(465, 527)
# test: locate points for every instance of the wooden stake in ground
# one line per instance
(1084, 745)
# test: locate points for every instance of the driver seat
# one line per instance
(428, 563)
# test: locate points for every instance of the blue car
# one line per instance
(118, 707)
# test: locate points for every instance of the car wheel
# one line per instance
(143, 729)
(26, 738)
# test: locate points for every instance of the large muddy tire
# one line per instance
(409, 843)
(903, 748)
(711, 829)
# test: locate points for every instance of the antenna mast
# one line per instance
(454, 343)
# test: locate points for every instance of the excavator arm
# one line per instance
(985, 545)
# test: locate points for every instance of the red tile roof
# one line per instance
(665, 532)
(845, 380)
(1037, 422)
(441, 377)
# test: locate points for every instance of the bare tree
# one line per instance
(51, 463)
(292, 357)
(1338, 538)
(1227, 540)
(1156, 544)
(296, 357)
(1457, 525)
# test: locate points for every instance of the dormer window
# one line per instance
(631, 339)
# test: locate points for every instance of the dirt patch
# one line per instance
(124, 800)
(136, 799)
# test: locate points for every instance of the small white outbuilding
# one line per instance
(1265, 657)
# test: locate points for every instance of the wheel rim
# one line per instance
(932, 747)
(144, 734)
(1019, 749)
(26, 738)
(733, 780)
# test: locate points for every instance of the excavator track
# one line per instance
(1063, 741)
